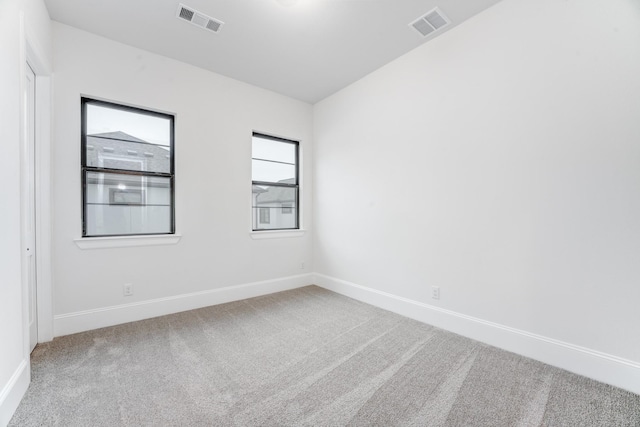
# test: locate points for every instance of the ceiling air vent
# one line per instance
(430, 23)
(200, 19)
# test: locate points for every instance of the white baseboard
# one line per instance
(71, 323)
(590, 363)
(13, 391)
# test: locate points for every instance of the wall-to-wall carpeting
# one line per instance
(303, 357)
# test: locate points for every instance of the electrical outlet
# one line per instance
(302, 265)
(127, 289)
(435, 292)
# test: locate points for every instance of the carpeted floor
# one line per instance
(307, 357)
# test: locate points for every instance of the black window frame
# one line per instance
(84, 169)
(295, 186)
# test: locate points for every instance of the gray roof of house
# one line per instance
(119, 150)
(275, 194)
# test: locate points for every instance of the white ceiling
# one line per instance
(307, 51)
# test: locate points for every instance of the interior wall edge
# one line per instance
(610, 369)
(13, 391)
(71, 323)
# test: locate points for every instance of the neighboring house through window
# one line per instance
(275, 188)
(127, 170)
(265, 216)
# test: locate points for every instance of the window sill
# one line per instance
(276, 234)
(126, 241)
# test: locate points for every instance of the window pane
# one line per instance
(268, 149)
(273, 172)
(274, 207)
(118, 204)
(150, 128)
(122, 139)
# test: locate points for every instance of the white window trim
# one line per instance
(277, 234)
(126, 241)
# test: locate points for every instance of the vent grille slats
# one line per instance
(423, 27)
(213, 25)
(185, 13)
(199, 19)
(436, 20)
(432, 21)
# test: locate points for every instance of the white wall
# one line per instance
(14, 357)
(501, 162)
(215, 117)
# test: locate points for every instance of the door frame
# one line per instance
(33, 55)
(28, 196)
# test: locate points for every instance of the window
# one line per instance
(275, 188)
(125, 197)
(127, 170)
(265, 216)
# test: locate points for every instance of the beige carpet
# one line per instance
(307, 357)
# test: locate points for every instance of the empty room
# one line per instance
(320, 213)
